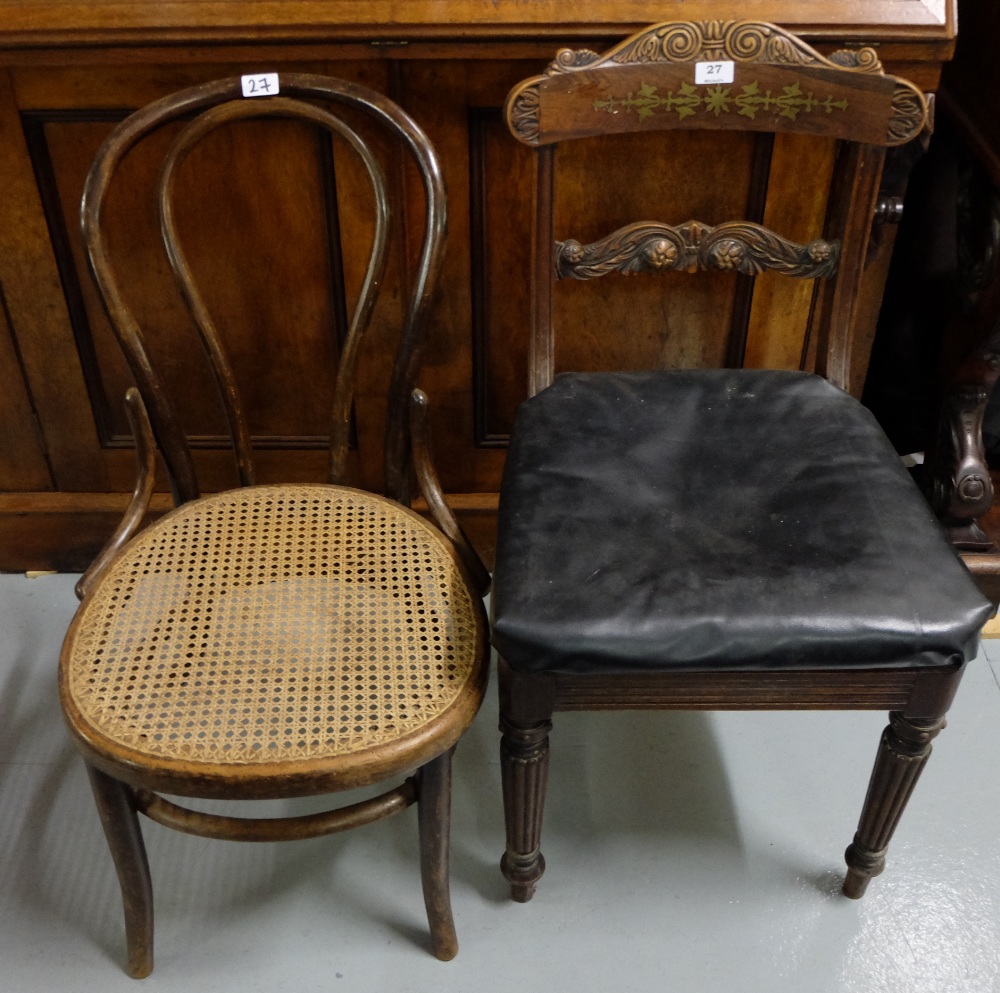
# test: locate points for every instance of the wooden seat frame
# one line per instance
(122, 786)
(644, 83)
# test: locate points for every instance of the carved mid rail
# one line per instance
(736, 246)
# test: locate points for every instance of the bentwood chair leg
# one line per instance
(902, 755)
(121, 827)
(524, 772)
(434, 815)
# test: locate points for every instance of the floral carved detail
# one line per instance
(750, 101)
(737, 246)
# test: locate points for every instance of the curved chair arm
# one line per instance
(145, 454)
(430, 490)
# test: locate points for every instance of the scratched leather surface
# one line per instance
(718, 518)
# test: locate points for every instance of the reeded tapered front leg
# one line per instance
(434, 814)
(902, 755)
(524, 770)
(121, 827)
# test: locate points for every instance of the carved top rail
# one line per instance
(779, 83)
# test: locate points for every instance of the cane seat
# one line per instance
(273, 625)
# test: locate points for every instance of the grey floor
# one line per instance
(686, 852)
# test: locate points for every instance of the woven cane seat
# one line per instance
(273, 624)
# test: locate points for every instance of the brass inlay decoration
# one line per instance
(749, 102)
(738, 246)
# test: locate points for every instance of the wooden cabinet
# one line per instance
(265, 225)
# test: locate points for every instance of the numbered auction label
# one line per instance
(263, 85)
(713, 72)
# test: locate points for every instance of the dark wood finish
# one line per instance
(415, 21)
(435, 828)
(957, 478)
(985, 566)
(583, 93)
(68, 72)
(902, 755)
(170, 436)
(524, 761)
(204, 825)
(126, 770)
(568, 103)
(138, 508)
(430, 488)
(852, 203)
(117, 809)
(735, 246)
(527, 702)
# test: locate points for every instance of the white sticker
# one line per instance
(713, 72)
(263, 85)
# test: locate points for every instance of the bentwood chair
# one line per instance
(718, 538)
(275, 641)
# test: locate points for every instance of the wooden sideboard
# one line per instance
(69, 70)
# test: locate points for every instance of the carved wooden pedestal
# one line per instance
(960, 484)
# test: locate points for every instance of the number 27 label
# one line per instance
(264, 84)
(713, 72)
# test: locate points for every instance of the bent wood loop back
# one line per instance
(214, 105)
(771, 81)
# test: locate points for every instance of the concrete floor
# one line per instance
(686, 852)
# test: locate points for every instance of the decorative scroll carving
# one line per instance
(747, 42)
(863, 59)
(714, 41)
(522, 112)
(909, 114)
(957, 479)
(740, 246)
(568, 59)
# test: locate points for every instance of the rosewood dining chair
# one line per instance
(724, 538)
(276, 640)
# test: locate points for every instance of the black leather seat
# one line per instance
(732, 519)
